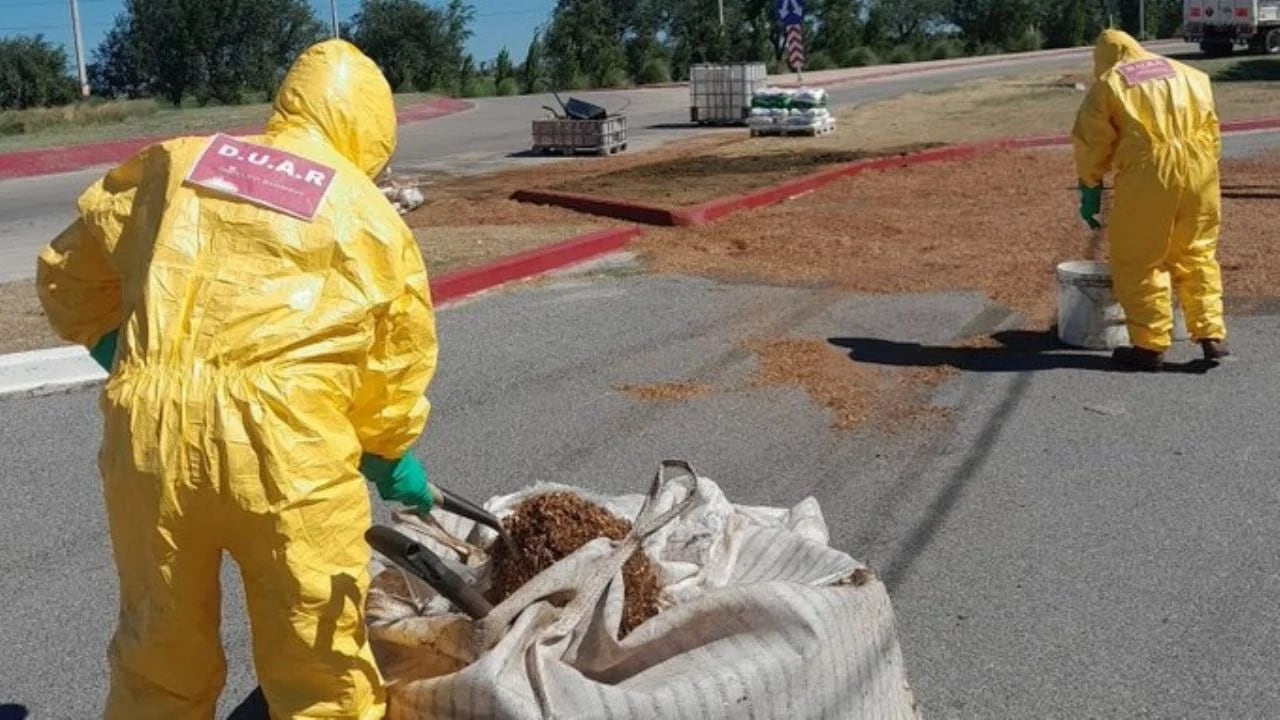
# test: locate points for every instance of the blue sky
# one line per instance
(498, 22)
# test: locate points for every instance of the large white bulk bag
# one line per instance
(761, 619)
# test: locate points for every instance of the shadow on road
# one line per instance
(1251, 192)
(13, 711)
(691, 126)
(253, 707)
(1019, 351)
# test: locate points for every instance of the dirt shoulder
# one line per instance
(997, 224)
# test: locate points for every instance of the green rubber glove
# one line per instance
(104, 353)
(1091, 205)
(403, 481)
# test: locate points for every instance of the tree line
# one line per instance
(234, 51)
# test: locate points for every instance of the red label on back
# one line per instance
(1145, 71)
(264, 176)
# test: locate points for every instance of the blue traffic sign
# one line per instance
(790, 12)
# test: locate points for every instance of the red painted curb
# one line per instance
(460, 284)
(604, 207)
(48, 161)
(723, 207)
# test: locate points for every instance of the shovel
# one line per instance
(462, 507)
(424, 564)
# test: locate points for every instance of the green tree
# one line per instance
(1070, 23)
(502, 68)
(904, 22)
(998, 23)
(533, 74)
(467, 76)
(584, 44)
(33, 74)
(1164, 17)
(119, 67)
(211, 49)
(417, 46)
(839, 30)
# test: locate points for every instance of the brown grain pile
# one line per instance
(664, 392)
(550, 527)
(998, 224)
(852, 391)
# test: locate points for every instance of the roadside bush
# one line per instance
(614, 77)
(509, 86)
(33, 74)
(1029, 41)
(946, 49)
(820, 60)
(654, 72)
(477, 87)
(863, 56)
(902, 54)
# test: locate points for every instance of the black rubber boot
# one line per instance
(1215, 350)
(1136, 358)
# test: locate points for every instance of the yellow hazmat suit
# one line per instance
(1153, 121)
(260, 354)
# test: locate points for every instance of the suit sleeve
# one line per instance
(1095, 135)
(391, 409)
(77, 279)
(78, 286)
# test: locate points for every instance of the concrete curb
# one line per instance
(50, 161)
(723, 207)
(44, 372)
(69, 368)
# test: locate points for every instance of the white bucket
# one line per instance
(1088, 314)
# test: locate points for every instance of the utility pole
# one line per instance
(721, 13)
(75, 30)
(333, 9)
(1142, 19)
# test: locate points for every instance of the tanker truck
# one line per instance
(1219, 26)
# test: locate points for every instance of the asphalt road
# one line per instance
(492, 136)
(1077, 543)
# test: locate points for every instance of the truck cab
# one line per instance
(1220, 26)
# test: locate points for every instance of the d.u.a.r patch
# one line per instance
(265, 176)
(1145, 71)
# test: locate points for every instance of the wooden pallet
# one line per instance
(785, 130)
(569, 151)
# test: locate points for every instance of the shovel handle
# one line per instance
(463, 507)
(412, 556)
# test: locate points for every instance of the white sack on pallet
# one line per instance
(761, 619)
(810, 98)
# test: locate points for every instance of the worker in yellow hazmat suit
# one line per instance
(1153, 121)
(275, 340)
